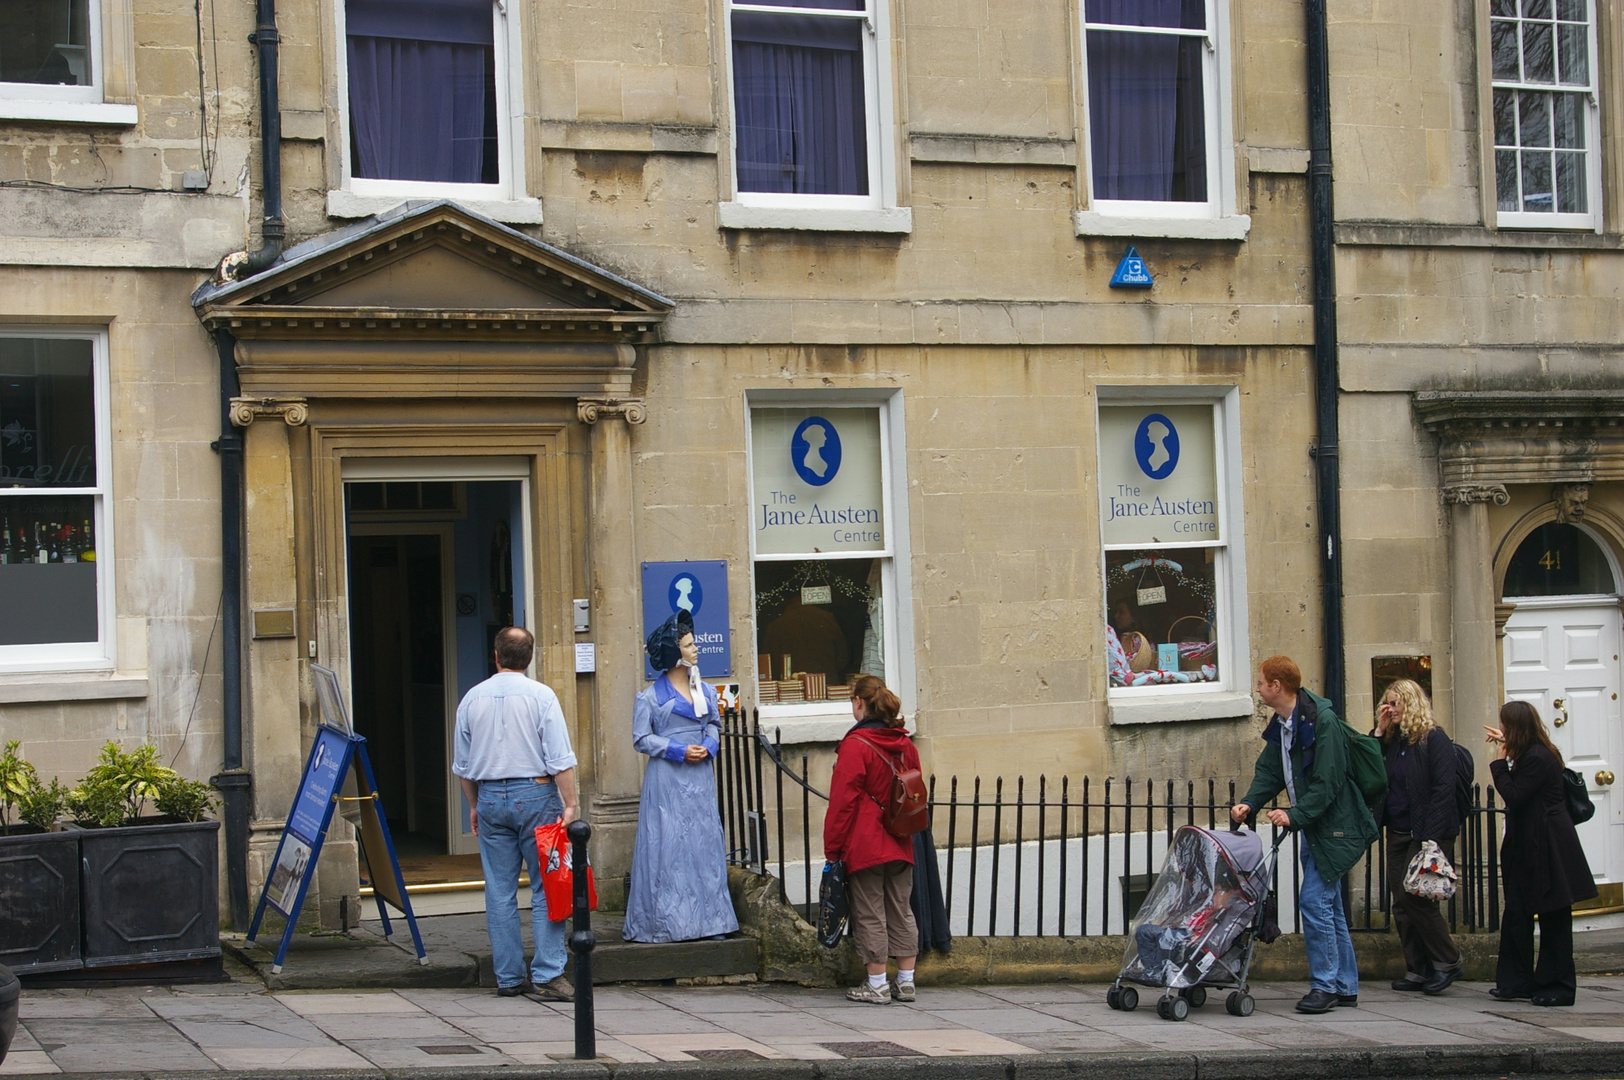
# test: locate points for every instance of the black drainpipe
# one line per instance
(234, 781)
(270, 140)
(1326, 377)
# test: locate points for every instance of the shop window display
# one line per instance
(1162, 616)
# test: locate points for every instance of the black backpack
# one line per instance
(1465, 774)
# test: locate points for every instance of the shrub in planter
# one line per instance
(17, 779)
(39, 871)
(119, 889)
(150, 884)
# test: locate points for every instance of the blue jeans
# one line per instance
(1332, 966)
(509, 811)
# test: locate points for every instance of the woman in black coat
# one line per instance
(1419, 806)
(1541, 862)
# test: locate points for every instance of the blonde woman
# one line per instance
(1420, 806)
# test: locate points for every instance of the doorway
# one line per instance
(436, 567)
(1562, 648)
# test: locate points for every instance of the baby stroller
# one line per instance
(1199, 923)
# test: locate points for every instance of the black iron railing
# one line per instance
(1054, 857)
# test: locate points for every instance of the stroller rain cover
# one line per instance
(1201, 902)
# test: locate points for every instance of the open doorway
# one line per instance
(435, 567)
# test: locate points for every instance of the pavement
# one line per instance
(781, 1032)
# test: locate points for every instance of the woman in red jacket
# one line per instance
(879, 866)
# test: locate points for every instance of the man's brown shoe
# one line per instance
(557, 988)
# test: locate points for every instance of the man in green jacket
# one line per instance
(1306, 756)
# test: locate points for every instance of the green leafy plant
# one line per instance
(116, 787)
(41, 806)
(186, 800)
(17, 779)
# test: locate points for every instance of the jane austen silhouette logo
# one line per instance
(1156, 446)
(814, 450)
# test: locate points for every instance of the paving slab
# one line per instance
(793, 1033)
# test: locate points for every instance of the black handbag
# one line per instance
(833, 909)
(1580, 808)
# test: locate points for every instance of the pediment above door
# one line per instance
(431, 271)
(431, 300)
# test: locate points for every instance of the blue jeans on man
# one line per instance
(1332, 966)
(509, 812)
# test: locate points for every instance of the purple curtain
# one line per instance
(802, 123)
(421, 89)
(1147, 113)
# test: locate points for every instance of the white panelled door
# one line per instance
(1562, 657)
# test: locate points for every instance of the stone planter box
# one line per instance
(39, 902)
(150, 893)
(92, 898)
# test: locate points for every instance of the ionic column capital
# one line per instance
(592, 409)
(245, 410)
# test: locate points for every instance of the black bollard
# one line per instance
(581, 944)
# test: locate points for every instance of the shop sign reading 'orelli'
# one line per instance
(1158, 479)
(817, 481)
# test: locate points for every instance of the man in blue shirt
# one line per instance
(513, 757)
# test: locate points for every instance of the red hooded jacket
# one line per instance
(852, 829)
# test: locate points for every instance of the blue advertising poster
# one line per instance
(701, 589)
(321, 781)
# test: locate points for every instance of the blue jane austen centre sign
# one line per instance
(700, 588)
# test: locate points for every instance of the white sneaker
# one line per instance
(902, 991)
(868, 995)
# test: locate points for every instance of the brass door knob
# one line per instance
(1561, 716)
(1604, 777)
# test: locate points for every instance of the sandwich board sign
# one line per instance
(337, 754)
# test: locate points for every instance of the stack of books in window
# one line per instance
(791, 690)
(766, 690)
(841, 692)
(812, 685)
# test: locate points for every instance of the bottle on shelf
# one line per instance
(70, 545)
(42, 550)
(55, 535)
(87, 547)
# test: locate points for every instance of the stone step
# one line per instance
(459, 954)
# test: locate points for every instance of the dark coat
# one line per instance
(1431, 782)
(1330, 809)
(1541, 862)
(852, 829)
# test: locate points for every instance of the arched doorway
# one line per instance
(1562, 647)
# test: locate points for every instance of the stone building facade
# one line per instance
(621, 304)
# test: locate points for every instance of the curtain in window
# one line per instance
(1147, 113)
(420, 80)
(802, 123)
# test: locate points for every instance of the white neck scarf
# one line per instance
(696, 686)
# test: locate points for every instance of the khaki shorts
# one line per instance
(881, 919)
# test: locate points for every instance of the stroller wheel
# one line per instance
(1178, 1008)
(1113, 997)
(1127, 999)
(1240, 1004)
(1196, 996)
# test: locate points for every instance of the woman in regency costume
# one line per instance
(679, 864)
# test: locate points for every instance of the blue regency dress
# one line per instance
(679, 865)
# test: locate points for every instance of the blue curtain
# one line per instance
(1147, 112)
(802, 123)
(421, 89)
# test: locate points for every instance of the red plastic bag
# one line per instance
(557, 879)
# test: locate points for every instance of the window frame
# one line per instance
(875, 212)
(826, 721)
(1218, 216)
(109, 32)
(1592, 219)
(1230, 695)
(505, 200)
(98, 655)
